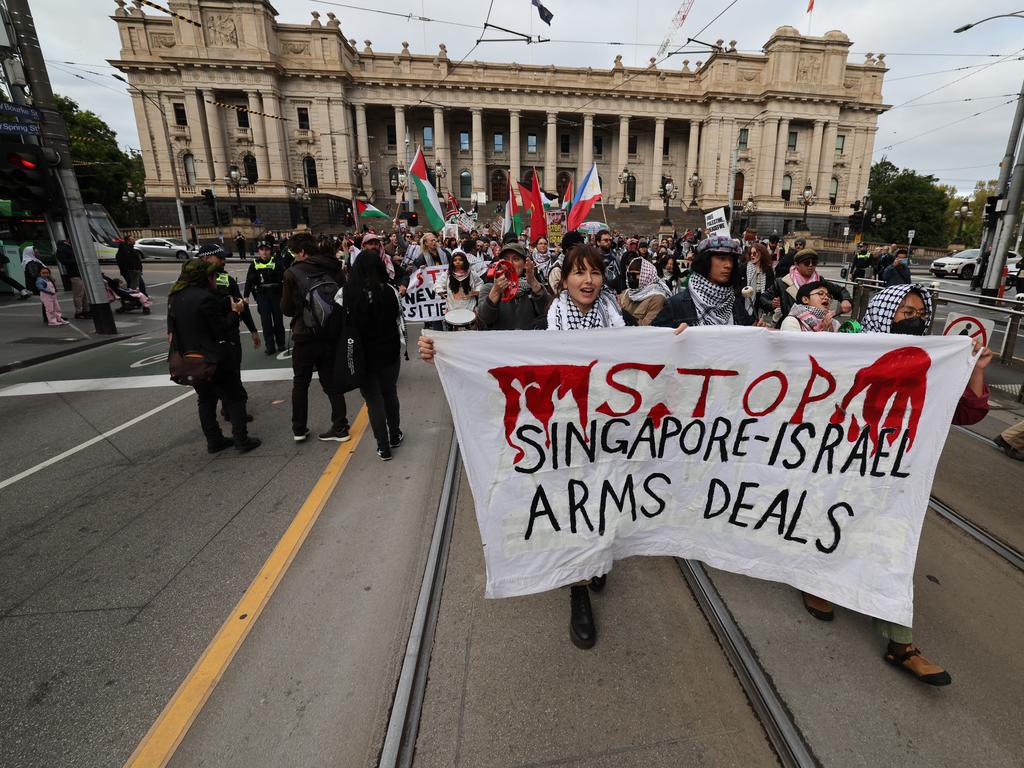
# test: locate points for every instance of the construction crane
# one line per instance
(677, 24)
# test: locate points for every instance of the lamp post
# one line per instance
(439, 173)
(402, 187)
(749, 208)
(624, 180)
(808, 199)
(131, 199)
(301, 195)
(667, 192)
(235, 181)
(961, 214)
(879, 218)
(362, 170)
(694, 181)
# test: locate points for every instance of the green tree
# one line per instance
(910, 201)
(104, 170)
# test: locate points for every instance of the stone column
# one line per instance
(441, 145)
(550, 148)
(341, 127)
(587, 150)
(148, 139)
(259, 137)
(513, 144)
(780, 157)
(479, 161)
(363, 148)
(766, 156)
(828, 159)
(728, 146)
(814, 157)
(400, 135)
(218, 166)
(623, 156)
(692, 145)
(277, 140)
(865, 165)
(709, 157)
(659, 145)
(328, 176)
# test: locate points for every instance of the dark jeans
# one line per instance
(269, 306)
(226, 387)
(380, 392)
(11, 282)
(233, 358)
(310, 355)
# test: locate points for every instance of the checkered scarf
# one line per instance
(650, 285)
(713, 302)
(883, 305)
(564, 315)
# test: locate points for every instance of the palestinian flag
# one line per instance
(567, 197)
(426, 192)
(365, 209)
(513, 221)
(548, 203)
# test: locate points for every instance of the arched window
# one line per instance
(465, 184)
(631, 188)
(833, 190)
(309, 172)
(737, 187)
(562, 182)
(499, 186)
(189, 163)
(527, 180)
(251, 171)
(787, 186)
(393, 180)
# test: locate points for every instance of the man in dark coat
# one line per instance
(129, 264)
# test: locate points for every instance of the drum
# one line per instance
(460, 319)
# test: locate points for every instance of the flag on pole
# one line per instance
(426, 192)
(513, 221)
(453, 207)
(588, 194)
(810, 6)
(567, 195)
(538, 221)
(545, 15)
(548, 202)
(365, 209)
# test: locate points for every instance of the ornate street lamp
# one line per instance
(694, 181)
(624, 180)
(439, 173)
(808, 199)
(961, 214)
(362, 170)
(235, 180)
(667, 192)
(131, 199)
(879, 218)
(749, 208)
(402, 187)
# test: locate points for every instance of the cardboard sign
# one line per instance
(421, 304)
(556, 225)
(716, 223)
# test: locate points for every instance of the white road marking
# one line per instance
(92, 441)
(63, 386)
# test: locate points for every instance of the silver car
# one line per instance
(165, 249)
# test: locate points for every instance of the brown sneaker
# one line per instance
(910, 660)
(818, 607)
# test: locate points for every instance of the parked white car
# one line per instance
(964, 264)
(165, 248)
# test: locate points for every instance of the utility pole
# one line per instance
(993, 234)
(994, 275)
(55, 136)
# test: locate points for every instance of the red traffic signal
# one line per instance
(26, 178)
(20, 161)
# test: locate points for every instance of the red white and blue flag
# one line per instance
(588, 194)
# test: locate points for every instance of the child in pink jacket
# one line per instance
(48, 295)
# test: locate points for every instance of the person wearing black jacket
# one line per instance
(198, 320)
(371, 305)
(66, 258)
(129, 264)
(265, 278)
(312, 350)
(712, 295)
(781, 294)
(786, 260)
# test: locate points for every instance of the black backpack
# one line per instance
(319, 312)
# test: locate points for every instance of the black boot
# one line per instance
(581, 619)
(218, 444)
(597, 583)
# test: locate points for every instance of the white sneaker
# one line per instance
(301, 438)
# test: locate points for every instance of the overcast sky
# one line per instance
(959, 154)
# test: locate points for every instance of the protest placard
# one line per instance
(716, 223)
(556, 225)
(801, 458)
(421, 304)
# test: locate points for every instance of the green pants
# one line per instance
(893, 632)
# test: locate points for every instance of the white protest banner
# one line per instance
(716, 223)
(801, 458)
(421, 304)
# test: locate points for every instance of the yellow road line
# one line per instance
(164, 736)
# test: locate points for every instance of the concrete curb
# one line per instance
(17, 365)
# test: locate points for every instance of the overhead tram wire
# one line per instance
(944, 126)
(963, 77)
(483, 31)
(957, 101)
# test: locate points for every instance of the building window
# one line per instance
(499, 186)
(465, 184)
(744, 138)
(464, 141)
(833, 190)
(531, 143)
(392, 135)
(791, 145)
(180, 118)
(309, 172)
(428, 137)
(243, 118)
(393, 180)
(666, 144)
(632, 145)
(631, 188)
(189, 163)
(564, 143)
(840, 144)
(737, 187)
(598, 146)
(787, 186)
(249, 167)
(499, 143)
(303, 115)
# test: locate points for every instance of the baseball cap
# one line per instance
(515, 248)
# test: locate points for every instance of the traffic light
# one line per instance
(990, 209)
(26, 178)
(209, 199)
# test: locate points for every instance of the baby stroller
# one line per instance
(130, 299)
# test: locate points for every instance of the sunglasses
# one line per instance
(812, 262)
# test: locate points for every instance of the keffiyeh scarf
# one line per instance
(650, 284)
(799, 280)
(756, 279)
(713, 302)
(812, 318)
(883, 305)
(564, 315)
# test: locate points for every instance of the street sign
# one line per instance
(846, 231)
(22, 129)
(966, 325)
(910, 235)
(716, 223)
(20, 110)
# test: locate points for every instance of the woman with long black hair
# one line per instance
(371, 306)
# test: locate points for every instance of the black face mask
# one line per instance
(914, 326)
(632, 280)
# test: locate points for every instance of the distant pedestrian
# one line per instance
(31, 265)
(7, 279)
(48, 296)
(264, 279)
(240, 245)
(129, 264)
(897, 273)
(66, 258)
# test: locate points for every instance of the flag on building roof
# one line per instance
(513, 221)
(588, 194)
(426, 192)
(810, 6)
(545, 15)
(567, 195)
(365, 209)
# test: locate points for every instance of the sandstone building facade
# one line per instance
(335, 119)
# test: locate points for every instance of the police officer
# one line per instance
(226, 287)
(861, 261)
(264, 278)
